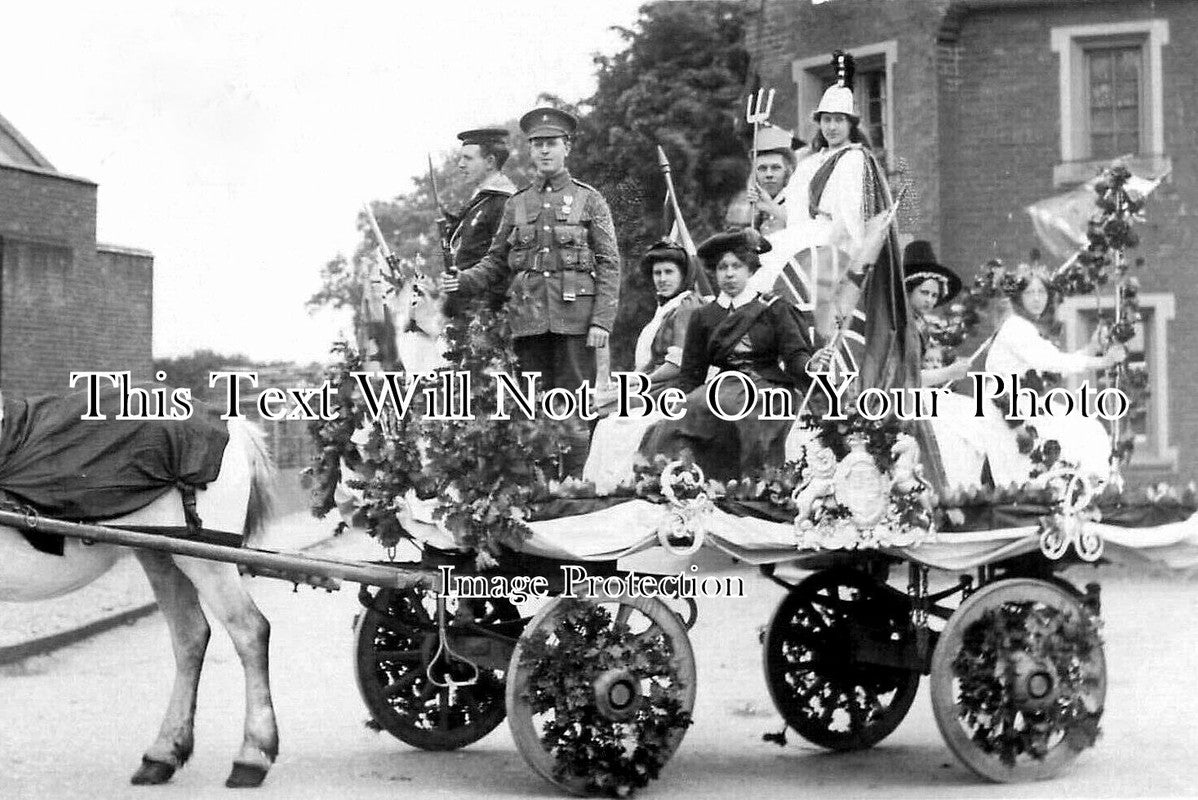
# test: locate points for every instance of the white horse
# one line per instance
(238, 501)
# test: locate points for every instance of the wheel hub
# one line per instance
(617, 694)
(1035, 685)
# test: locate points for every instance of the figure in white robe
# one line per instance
(658, 356)
(1018, 348)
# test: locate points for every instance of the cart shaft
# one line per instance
(295, 567)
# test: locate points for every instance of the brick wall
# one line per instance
(63, 305)
(1000, 139)
(976, 118)
(126, 293)
(797, 29)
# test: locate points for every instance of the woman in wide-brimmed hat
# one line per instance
(930, 285)
(761, 337)
(658, 356)
(956, 433)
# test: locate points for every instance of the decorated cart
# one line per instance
(598, 685)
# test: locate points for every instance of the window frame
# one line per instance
(809, 75)
(1071, 43)
(1156, 452)
(1086, 99)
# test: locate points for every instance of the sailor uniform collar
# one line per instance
(496, 183)
(740, 301)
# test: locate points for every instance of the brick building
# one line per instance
(990, 105)
(66, 302)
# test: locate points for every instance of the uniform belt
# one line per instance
(558, 268)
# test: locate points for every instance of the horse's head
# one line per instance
(418, 306)
(417, 309)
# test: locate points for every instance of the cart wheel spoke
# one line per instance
(638, 682)
(399, 656)
(1019, 680)
(814, 677)
(394, 640)
(623, 614)
(401, 686)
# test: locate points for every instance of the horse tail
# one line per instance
(262, 505)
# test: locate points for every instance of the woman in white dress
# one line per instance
(1020, 348)
(658, 356)
(832, 193)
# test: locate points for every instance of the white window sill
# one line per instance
(1074, 172)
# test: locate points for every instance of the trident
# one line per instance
(757, 111)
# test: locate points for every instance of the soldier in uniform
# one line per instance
(774, 165)
(555, 255)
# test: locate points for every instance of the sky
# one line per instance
(237, 141)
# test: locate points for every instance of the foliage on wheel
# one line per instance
(1019, 680)
(814, 667)
(607, 704)
(396, 642)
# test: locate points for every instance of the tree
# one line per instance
(191, 371)
(678, 84)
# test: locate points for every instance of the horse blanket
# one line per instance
(89, 470)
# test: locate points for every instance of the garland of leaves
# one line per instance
(489, 472)
(334, 437)
(615, 758)
(388, 461)
(986, 667)
(1110, 234)
(485, 473)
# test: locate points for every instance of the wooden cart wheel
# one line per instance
(636, 692)
(1019, 680)
(395, 640)
(813, 666)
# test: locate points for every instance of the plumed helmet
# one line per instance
(838, 98)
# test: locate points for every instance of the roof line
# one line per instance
(49, 173)
(31, 151)
(124, 250)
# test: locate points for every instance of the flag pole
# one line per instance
(688, 244)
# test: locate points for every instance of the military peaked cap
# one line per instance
(548, 122)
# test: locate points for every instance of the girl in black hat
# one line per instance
(759, 336)
(930, 285)
(955, 432)
(658, 356)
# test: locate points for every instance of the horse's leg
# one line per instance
(189, 631)
(221, 590)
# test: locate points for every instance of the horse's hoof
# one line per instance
(152, 773)
(245, 776)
